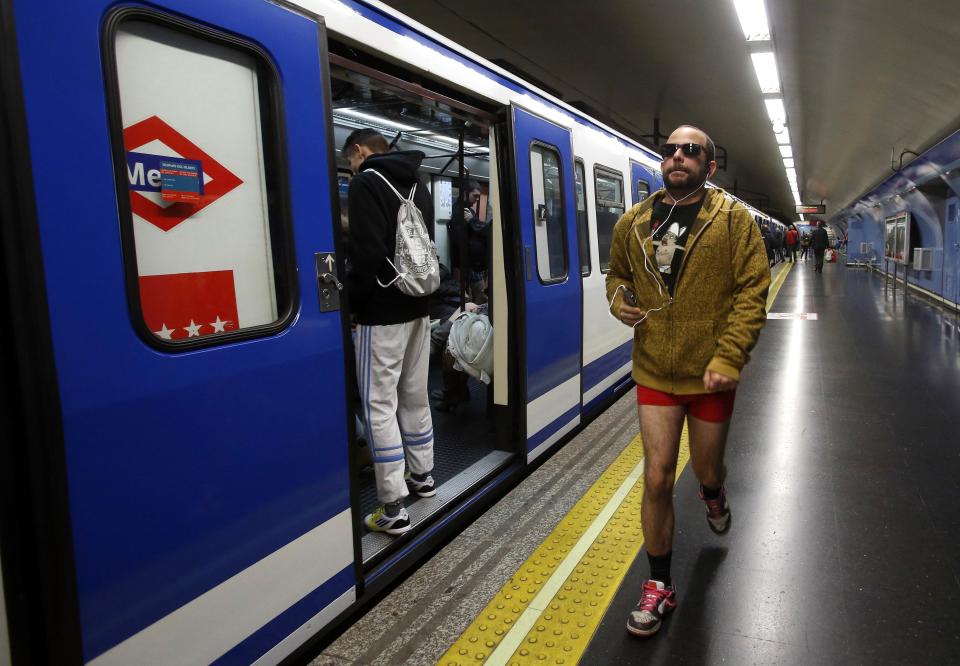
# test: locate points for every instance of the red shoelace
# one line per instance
(652, 596)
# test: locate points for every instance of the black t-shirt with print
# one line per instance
(670, 232)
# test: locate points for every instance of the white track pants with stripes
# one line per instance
(392, 366)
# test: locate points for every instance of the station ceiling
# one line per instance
(861, 81)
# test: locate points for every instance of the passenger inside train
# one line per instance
(455, 142)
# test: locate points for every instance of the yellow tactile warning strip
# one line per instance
(552, 605)
(777, 282)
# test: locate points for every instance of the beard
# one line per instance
(679, 188)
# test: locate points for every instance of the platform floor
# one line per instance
(844, 462)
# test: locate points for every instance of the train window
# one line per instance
(583, 235)
(548, 218)
(201, 185)
(643, 190)
(610, 207)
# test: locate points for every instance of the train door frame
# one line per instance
(392, 76)
(560, 424)
(39, 582)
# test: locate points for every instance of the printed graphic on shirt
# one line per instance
(667, 247)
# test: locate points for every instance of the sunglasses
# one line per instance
(667, 150)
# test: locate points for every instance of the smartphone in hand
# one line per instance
(629, 298)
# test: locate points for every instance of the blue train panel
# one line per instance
(552, 288)
(202, 389)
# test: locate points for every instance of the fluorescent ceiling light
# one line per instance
(786, 151)
(783, 138)
(765, 66)
(378, 120)
(796, 197)
(788, 161)
(753, 19)
(776, 111)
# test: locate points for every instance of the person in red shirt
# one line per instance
(791, 240)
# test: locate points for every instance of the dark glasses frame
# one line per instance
(667, 150)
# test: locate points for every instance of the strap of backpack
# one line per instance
(390, 185)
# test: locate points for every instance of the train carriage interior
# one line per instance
(367, 93)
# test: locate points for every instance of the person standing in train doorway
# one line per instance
(689, 273)
(393, 328)
(819, 242)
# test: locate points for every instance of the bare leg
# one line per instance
(708, 441)
(660, 428)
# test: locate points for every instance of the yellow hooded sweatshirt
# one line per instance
(719, 302)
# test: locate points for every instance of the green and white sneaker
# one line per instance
(379, 521)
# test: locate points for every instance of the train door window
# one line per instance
(643, 190)
(548, 218)
(583, 235)
(610, 207)
(201, 192)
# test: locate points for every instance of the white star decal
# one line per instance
(220, 326)
(164, 332)
(193, 330)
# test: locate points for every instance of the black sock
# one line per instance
(660, 568)
(392, 509)
(709, 493)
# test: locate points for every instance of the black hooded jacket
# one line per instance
(373, 211)
(820, 240)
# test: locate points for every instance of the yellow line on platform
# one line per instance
(776, 283)
(553, 604)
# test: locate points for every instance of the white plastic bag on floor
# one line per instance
(471, 345)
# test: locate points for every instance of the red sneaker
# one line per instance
(718, 511)
(657, 601)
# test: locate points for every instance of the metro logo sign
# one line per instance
(144, 176)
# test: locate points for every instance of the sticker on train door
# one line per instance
(189, 305)
(145, 173)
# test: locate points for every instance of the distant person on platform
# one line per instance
(768, 245)
(804, 245)
(689, 274)
(792, 237)
(393, 328)
(819, 242)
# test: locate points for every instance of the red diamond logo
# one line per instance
(167, 217)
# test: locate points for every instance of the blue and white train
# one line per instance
(179, 475)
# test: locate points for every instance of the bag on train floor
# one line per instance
(415, 257)
(471, 345)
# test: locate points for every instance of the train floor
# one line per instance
(843, 462)
(462, 437)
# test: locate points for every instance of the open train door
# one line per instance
(551, 323)
(174, 173)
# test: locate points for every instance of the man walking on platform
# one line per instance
(689, 273)
(393, 327)
(818, 243)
